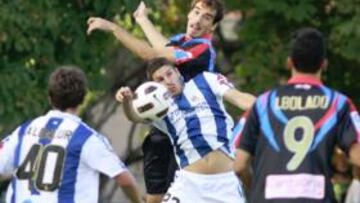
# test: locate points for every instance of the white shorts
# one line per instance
(191, 187)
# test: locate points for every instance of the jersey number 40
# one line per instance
(43, 166)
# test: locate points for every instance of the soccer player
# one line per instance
(291, 131)
(192, 51)
(199, 128)
(57, 157)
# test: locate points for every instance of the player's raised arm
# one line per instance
(225, 89)
(124, 95)
(239, 99)
(155, 38)
(139, 47)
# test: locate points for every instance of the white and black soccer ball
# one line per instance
(151, 101)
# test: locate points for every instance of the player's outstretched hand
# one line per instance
(141, 12)
(124, 93)
(96, 23)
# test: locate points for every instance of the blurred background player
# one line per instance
(192, 52)
(291, 131)
(58, 158)
(199, 127)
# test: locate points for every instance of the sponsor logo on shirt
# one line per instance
(177, 114)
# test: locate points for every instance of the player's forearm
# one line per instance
(127, 183)
(155, 38)
(137, 46)
(240, 99)
(132, 192)
(130, 113)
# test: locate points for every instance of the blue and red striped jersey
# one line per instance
(193, 55)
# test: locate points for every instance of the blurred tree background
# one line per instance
(36, 36)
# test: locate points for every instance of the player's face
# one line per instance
(170, 77)
(200, 20)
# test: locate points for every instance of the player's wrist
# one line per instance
(141, 20)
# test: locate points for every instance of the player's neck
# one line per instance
(295, 73)
(73, 111)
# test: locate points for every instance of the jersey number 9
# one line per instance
(301, 146)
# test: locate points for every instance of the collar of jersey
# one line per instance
(57, 113)
(305, 79)
(205, 36)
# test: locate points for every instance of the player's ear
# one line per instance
(49, 100)
(289, 63)
(176, 70)
(324, 64)
(214, 26)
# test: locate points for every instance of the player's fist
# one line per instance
(124, 93)
(95, 23)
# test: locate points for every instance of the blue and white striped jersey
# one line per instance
(56, 158)
(197, 122)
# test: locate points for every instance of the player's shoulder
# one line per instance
(204, 77)
(211, 75)
(176, 39)
(86, 128)
(20, 129)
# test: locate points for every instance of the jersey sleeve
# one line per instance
(7, 153)
(191, 54)
(348, 131)
(218, 83)
(98, 154)
(248, 137)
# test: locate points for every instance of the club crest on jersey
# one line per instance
(223, 80)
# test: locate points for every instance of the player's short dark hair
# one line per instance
(67, 87)
(155, 64)
(217, 5)
(308, 50)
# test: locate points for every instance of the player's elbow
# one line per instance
(165, 53)
(125, 179)
(146, 56)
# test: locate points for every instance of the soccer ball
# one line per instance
(151, 101)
